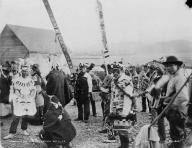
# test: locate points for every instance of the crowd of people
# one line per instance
(42, 100)
(37, 100)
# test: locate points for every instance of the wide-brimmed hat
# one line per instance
(172, 60)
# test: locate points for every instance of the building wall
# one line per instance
(11, 47)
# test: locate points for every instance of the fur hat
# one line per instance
(91, 66)
(35, 67)
(54, 99)
(172, 60)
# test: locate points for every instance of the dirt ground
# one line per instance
(87, 133)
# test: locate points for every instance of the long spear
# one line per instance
(104, 37)
(58, 35)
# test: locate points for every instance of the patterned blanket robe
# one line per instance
(23, 96)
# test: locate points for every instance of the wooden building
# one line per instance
(22, 42)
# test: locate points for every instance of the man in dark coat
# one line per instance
(82, 96)
(57, 85)
(5, 83)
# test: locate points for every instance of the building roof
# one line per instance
(37, 40)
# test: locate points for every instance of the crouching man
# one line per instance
(58, 131)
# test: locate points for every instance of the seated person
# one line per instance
(57, 128)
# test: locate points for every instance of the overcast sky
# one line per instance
(144, 21)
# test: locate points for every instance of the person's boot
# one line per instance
(10, 136)
(103, 131)
(144, 106)
(25, 133)
(67, 146)
(124, 139)
(177, 145)
(78, 119)
(110, 138)
(86, 121)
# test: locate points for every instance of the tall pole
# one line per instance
(58, 35)
(104, 37)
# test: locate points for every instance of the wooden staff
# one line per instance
(168, 106)
(58, 35)
(104, 37)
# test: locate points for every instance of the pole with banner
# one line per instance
(59, 35)
(104, 38)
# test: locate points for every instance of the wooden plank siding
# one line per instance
(21, 42)
(13, 53)
(11, 47)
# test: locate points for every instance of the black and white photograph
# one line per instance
(95, 73)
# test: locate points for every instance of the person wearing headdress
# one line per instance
(121, 107)
(57, 127)
(14, 69)
(157, 89)
(39, 99)
(106, 96)
(22, 97)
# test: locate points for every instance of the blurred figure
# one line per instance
(5, 83)
(58, 85)
(144, 83)
(106, 96)
(90, 85)
(58, 131)
(14, 70)
(39, 99)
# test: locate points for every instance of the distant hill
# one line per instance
(139, 52)
(180, 48)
